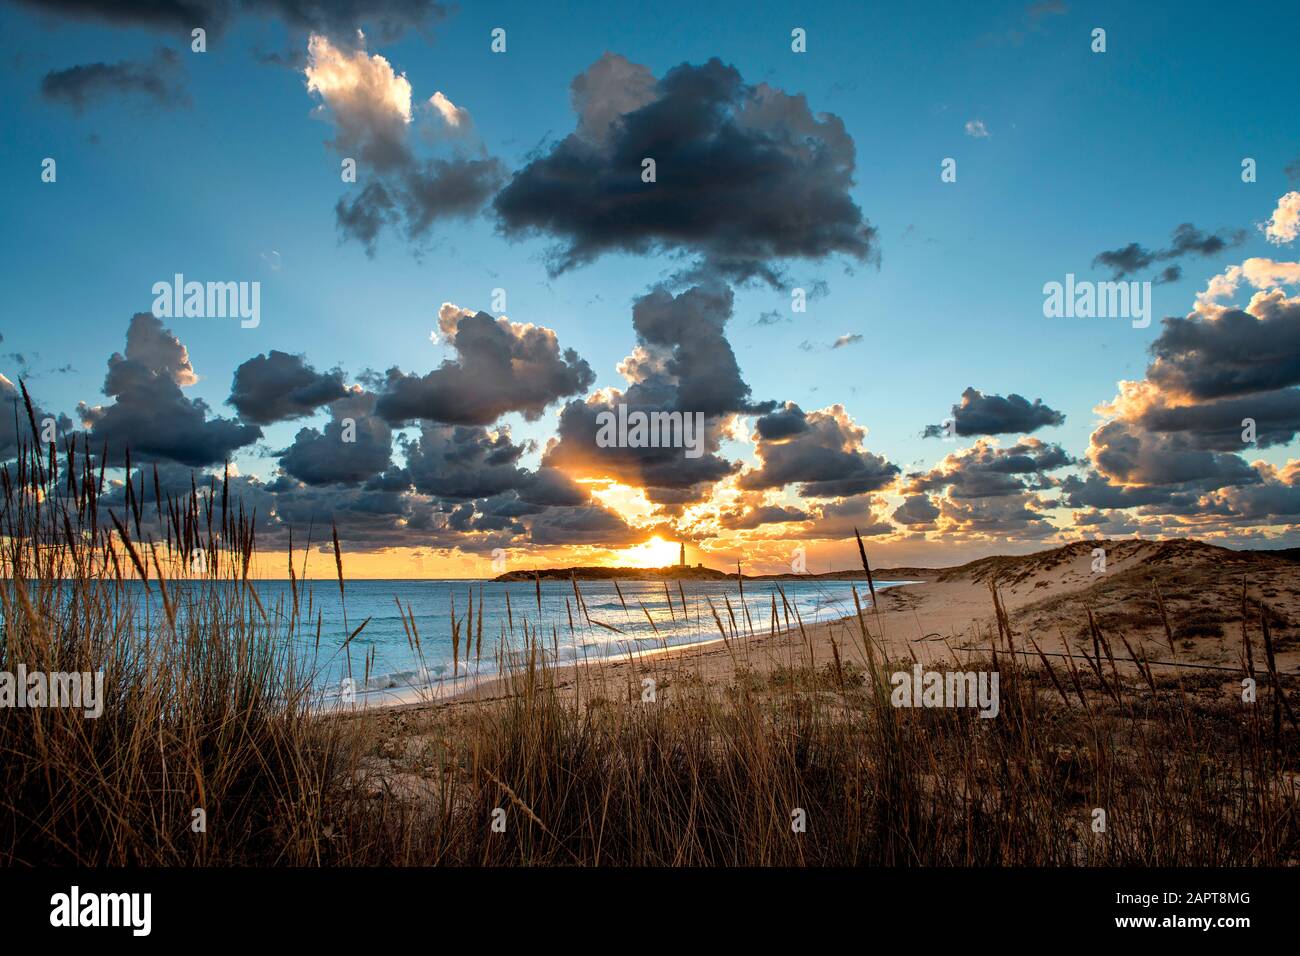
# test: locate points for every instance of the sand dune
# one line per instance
(949, 613)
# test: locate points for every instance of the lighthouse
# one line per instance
(681, 560)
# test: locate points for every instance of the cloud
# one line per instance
(774, 175)
(14, 424)
(865, 514)
(278, 387)
(759, 515)
(681, 340)
(1173, 443)
(1257, 272)
(1018, 516)
(848, 339)
(682, 362)
(461, 462)
(985, 492)
(916, 510)
(821, 451)
(449, 112)
(355, 445)
(1185, 240)
(370, 106)
(988, 470)
(1127, 454)
(1219, 425)
(1274, 499)
(158, 79)
(980, 414)
(150, 414)
(500, 367)
(590, 524)
(1237, 352)
(389, 19)
(977, 130)
(369, 103)
(550, 487)
(1284, 225)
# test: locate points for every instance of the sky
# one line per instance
(840, 265)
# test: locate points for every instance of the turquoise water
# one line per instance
(610, 627)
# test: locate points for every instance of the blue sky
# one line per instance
(1085, 152)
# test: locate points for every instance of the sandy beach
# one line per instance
(946, 616)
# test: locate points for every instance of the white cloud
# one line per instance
(1256, 271)
(370, 103)
(976, 128)
(1284, 225)
(453, 115)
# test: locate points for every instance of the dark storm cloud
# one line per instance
(986, 470)
(675, 496)
(459, 462)
(1110, 523)
(784, 422)
(761, 515)
(1217, 426)
(590, 524)
(158, 14)
(150, 414)
(1128, 454)
(1271, 501)
(980, 414)
(1096, 491)
(277, 387)
(14, 424)
(1233, 354)
(824, 456)
(387, 19)
(747, 176)
(158, 79)
(575, 450)
(500, 367)
(840, 519)
(916, 510)
(684, 363)
(418, 196)
(685, 336)
(550, 487)
(367, 518)
(365, 216)
(1186, 240)
(1005, 516)
(354, 446)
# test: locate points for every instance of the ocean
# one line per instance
(383, 663)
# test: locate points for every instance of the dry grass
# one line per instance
(208, 708)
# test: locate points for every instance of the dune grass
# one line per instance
(209, 708)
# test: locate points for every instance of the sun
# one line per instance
(654, 553)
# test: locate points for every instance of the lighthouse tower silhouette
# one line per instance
(681, 560)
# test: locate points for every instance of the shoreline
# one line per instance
(465, 686)
(950, 618)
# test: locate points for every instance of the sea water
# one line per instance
(381, 663)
